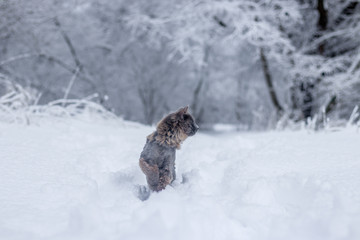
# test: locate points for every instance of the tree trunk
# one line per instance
(306, 89)
(269, 84)
(322, 22)
(196, 106)
(323, 17)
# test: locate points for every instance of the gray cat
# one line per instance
(157, 160)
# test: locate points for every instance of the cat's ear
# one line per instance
(181, 112)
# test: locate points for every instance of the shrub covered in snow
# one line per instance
(20, 105)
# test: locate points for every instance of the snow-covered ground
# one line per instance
(74, 179)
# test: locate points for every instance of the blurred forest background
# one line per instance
(253, 63)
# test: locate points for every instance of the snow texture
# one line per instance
(76, 179)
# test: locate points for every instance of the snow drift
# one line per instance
(75, 176)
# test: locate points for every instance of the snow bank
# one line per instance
(77, 178)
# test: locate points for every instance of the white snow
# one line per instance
(74, 179)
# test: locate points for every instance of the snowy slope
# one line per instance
(73, 179)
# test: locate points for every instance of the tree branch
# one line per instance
(331, 104)
(68, 43)
(73, 53)
(220, 22)
(51, 59)
(18, 57)
(71, 83)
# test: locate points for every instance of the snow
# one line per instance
(76, 179)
